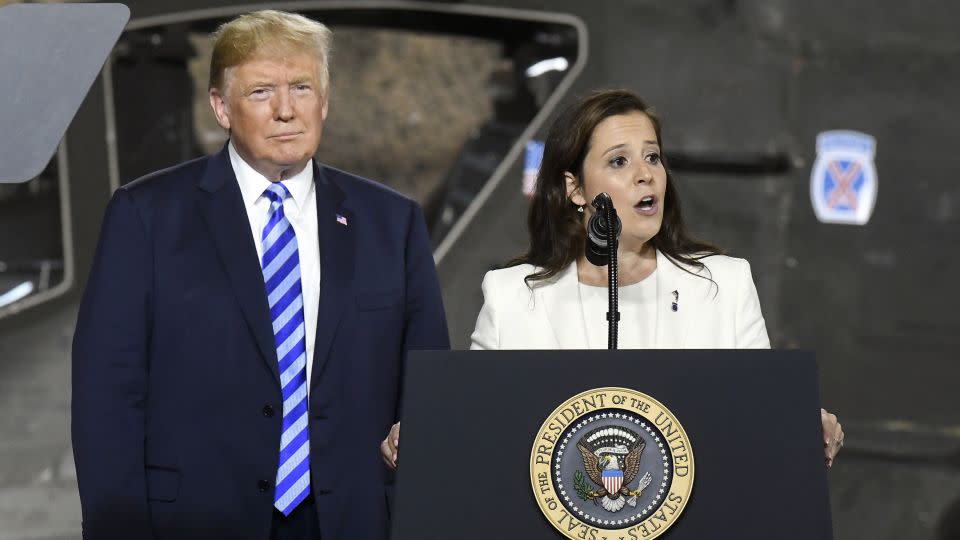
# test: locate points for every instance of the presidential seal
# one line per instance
(611, 464)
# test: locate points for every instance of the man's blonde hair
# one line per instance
(268, 32)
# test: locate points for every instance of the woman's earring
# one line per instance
(580, 209)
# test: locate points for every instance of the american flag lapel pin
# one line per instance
(341, 219)
(676, 298)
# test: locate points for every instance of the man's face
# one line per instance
(274, 108)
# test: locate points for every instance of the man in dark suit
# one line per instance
(241, 340)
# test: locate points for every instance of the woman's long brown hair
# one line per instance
(557, 235)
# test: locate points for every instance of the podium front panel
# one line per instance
(470, 419)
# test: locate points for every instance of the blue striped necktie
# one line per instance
(281, 274)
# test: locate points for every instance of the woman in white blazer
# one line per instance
(675, 291)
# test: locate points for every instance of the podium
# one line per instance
(743, 426)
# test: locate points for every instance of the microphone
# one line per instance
(597, 230)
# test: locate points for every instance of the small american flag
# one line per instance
(342, 220)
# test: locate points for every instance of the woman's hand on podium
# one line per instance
(832, 436)
(390, 446)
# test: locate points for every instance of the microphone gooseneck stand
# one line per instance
(613, 311)
(603, 232)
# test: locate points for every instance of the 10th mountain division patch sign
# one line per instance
(611, 464)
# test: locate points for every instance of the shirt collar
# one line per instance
(253, 184)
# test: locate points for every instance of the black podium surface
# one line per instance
(471, 417)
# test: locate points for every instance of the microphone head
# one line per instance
(596, 251)
(602, 198)
(596, 255)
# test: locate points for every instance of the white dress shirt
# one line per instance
(301, 210)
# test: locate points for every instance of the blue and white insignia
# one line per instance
(843, 183)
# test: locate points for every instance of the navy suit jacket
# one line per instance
(176, 397)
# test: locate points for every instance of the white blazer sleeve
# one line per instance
(751, 329)
(486, 334)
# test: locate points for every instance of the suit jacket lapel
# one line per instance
(335, 225)
(673, 286)
(561, 300)
(222, 208)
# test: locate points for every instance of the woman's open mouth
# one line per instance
(647, 206)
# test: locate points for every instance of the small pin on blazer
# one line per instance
(676, 298)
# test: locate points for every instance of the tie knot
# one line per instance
(277, 192)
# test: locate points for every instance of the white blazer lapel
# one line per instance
(561, 300)
(673, 287)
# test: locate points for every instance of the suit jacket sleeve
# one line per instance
(110, 378)
(486, 334)
(751, 329)
(426, 323)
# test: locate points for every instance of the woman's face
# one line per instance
(624, 161)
